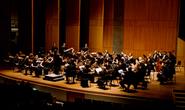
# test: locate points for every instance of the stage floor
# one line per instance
(155, 90)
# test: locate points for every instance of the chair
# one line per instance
(178, 65)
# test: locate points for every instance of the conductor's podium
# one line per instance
(53, 77)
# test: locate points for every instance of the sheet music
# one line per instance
(98, 70)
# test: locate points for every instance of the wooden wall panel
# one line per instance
(73, 23)
(38, 24)
(52, 23)
(84, 22)
(118, 26)
(96, 25)
(150, 25)
(108, 25)
(180, 51)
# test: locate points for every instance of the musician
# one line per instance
(70, 70)
(49, 62)
(168, 69)
(172, 59)
(21, 54)
(129, 79)
(120, 70)
(158, 66)
(57, 60)
(80, 70)
(17, 62)
(130, 56)
(31, 57)
(69, 52)
(108, 73)
(150, 65)
(85, 48)
(164, 74)
(46, 65)
(85, 74)
(26, 64)
(141, 70)
(34, 65)
(62, 49)
(38, 69)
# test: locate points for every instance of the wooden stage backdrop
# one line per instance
(136, 26)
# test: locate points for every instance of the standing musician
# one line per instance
(57, 61)
(158, 66)
(62, 49)
(85, 48)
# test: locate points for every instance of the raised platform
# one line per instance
(53, 77)
(155, 93)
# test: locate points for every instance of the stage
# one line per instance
(70, 92)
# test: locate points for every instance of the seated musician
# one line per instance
(26, 64)
(33, 66)
(142, 69)
(36, 66)
(86, 71)
(38, 69)
(98, 70)
(163, 75)
(46, 65)
(70, 71)
(21, 54)
(49, 63)
(28, 61)
(107, 76)
(167, 72)
(129, 78)
(17, 62)
(69, 52)
(81, 68)
(120, 70)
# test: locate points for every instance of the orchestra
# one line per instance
(105, 66)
